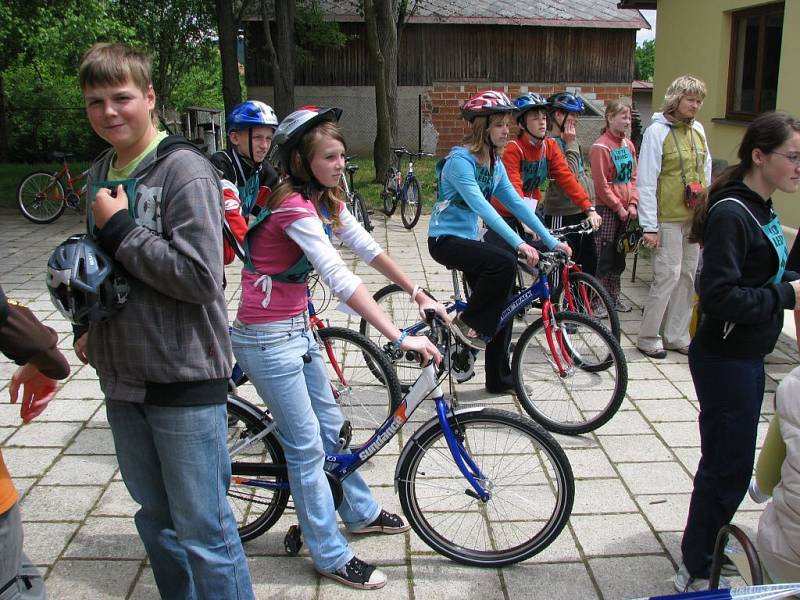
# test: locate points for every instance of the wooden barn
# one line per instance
(452, 48)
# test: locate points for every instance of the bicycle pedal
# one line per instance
(293, 541)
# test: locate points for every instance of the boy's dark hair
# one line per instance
(108, 64)
(767, 132)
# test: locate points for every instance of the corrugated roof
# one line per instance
(547, 13)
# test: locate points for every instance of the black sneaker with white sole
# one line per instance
(358, 574)
(386, 522)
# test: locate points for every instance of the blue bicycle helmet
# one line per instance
(567, 101)
(82, 283)
(249, 114)
(528, 102)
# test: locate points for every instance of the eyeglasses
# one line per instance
(793, 158)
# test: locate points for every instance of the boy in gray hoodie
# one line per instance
(164, 360)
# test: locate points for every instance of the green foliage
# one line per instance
(645, 61)
(200, 85)
(313, 32)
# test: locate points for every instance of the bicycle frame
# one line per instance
(340, 465)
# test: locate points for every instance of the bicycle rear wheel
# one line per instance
(395, 302)
(255, 508)
(360, 211)
(589, 297)
(40, 198)
(389, 193)
(589, 387)
(362, 379)
(411, 203)
(529, 477)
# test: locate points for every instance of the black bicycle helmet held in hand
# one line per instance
(82, 283)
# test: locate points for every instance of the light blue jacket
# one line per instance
(464, 187)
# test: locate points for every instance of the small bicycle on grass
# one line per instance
(481, 486)
(41, 198)
(403, 190)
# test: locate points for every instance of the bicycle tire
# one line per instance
(360, 211)
(590, 392)
(35, 201)
(256, 509)
(531, 482)
(389, 193)
(411, 202)
(590, 298)
(395, 302)
(363, 381)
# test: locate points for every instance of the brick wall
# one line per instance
(444, 127)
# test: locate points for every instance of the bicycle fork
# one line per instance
(562, 356)
(462, 458)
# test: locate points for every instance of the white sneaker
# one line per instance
(684, 582)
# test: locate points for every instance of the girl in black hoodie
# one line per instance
(744, 289)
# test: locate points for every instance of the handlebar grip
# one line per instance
(430, 314)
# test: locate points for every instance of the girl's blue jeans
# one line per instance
(298, 394)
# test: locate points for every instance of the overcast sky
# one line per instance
(647, 34)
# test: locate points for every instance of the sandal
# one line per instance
(461, 331)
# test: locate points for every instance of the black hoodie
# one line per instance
(739, 264)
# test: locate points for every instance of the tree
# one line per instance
(282, 54)
(228, 31)
(178, 32)
(645, 61)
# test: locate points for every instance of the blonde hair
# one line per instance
(614, 108)
(107, 64)
(301, 180)
(685, 85)
(478, 135)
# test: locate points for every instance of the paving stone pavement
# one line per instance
(633, 476)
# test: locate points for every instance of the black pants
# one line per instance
(730, 392)
(490, 272)
(583, 249)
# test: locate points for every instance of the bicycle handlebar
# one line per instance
(582, 228)
(402, 150)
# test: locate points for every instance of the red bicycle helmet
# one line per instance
(486, 103)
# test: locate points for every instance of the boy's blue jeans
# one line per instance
(174, 461)
(298, 394)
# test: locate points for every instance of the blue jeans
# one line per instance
(730, 391)
(175, 464)
(298, 394)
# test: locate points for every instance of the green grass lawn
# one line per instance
(12, 173)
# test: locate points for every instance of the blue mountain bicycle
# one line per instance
(481, 486)
(569, 371)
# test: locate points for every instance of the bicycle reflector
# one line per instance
(82, 282)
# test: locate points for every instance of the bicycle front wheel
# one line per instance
(572, 378)
(40, 198)
(360, 211)
(395, 302)
(255, 508)
(589, 297)
(362, 379)
(389, 193)
(411, 203)
(529, 477)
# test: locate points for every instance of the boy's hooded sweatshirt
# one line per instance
(170, 340)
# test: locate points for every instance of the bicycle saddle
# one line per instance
(61, 155)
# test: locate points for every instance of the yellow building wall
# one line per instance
(693, 37)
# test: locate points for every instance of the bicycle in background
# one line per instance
(570, 373)
(355, 202)
(41, 198)
(403, 190)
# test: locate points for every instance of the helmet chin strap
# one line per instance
(529, 132)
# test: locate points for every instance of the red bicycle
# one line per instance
(41, 197)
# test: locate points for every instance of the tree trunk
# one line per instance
(281, 59)
(284, 85)
(374, 17)
(228, 35)
(3, 122)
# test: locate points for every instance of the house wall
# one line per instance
(694, 37)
